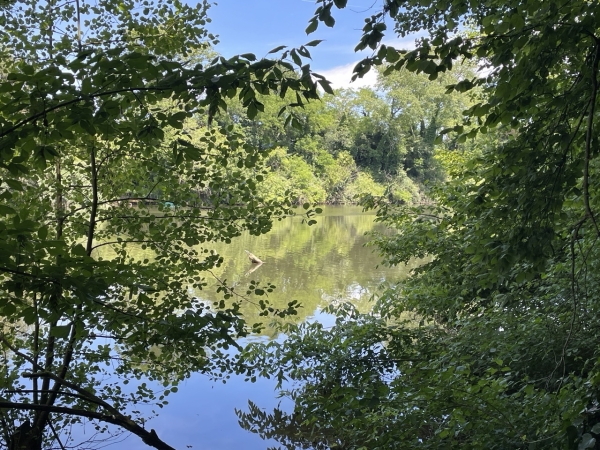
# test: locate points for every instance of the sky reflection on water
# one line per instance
(315, 265)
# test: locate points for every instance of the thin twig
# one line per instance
(56, 435)
(589, 136)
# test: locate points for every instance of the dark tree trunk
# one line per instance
(25, 438)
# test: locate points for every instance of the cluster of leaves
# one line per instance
(503, 352)
(112, 182)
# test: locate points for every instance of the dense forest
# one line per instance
(478, 150)
(355, 142)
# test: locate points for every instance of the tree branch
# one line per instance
(148, 437)
(93, 212)
(28, 275)
(589, 136)
(82, 392)
(41, 114)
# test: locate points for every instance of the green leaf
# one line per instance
(278, 49)
(296, 124)
(176, 120)
(392, 55)
(295, 57)
(587, 441)
(328, 20)
(326, 86)
(314, 43)
(88, 127)
(6, 210)
(252, 111)
(303, 52)
(8, 309)
(42, 232)
(60, 331)
(312, 26)
(78, 250)
(13, 184)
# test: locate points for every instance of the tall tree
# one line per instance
(112, 179)
(420, 108)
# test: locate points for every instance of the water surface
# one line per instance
(316, 265)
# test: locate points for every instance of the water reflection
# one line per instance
(315, 265)
(327, 262)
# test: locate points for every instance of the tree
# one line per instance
(420, 108)
(502, 350)
(108, 148)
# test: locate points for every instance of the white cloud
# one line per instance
(405, 43)
(341, 77)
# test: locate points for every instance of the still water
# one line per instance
(327, 262)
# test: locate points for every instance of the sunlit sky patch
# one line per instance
(258, 26)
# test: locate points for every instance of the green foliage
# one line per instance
(502, 350)
(388, 131)
(303, 182)
(108, 147)
(365, 185)
(420, 109)
(337, 174)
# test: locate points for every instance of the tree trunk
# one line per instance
(25, 438)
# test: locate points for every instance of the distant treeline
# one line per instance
(376, 140)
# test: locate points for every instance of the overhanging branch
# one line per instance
(148, 437)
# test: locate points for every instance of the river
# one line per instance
(316, 265)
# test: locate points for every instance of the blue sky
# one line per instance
(257, 26)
